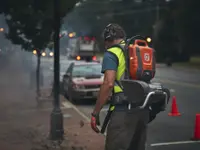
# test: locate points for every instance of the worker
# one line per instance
(128, 126)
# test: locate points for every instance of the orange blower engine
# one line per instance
(140, 59)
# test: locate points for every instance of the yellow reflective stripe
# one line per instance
(121, 71)
(121, 67)
(112, 108)
(117, 89)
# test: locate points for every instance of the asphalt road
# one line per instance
(166, 133)
(165, 130)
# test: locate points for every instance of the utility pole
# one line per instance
(56, 131)
(157, 11)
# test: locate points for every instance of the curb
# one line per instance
(68, 104)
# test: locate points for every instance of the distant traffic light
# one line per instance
(148, 39)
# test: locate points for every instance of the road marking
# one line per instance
(67, 116)
(172, 90)
(104, 109)
(174, 143)
(178, 83)
(68, 104)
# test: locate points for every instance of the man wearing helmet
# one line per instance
(127, 127)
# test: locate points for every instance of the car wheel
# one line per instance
(65, 94)
(69, 95)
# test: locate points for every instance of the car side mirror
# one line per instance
(67, 75)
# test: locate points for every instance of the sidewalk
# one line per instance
(24, 125)
(79, 133)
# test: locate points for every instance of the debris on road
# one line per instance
(81, 123)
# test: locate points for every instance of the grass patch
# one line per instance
(193, 63)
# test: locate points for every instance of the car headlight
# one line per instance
(43, 54)
(34, 52)
(51, 53)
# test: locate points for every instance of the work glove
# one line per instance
(95, 122)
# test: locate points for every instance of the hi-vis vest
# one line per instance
(117, 51)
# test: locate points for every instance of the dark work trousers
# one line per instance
(127, 129)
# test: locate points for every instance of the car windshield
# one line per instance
(86, 70)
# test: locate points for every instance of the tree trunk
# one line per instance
(38, 75)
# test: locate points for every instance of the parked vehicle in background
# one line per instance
(64, 65)
(82, 80)
(83, 48)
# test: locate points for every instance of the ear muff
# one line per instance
(109, 32)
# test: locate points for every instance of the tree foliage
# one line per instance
(174, 26)
(92, 16)
(31, 22)
(179, 33)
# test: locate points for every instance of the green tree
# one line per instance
(178, 31)
(90, 17)
(31, 24)
(187, 25)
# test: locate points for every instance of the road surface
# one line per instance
(165, 132)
